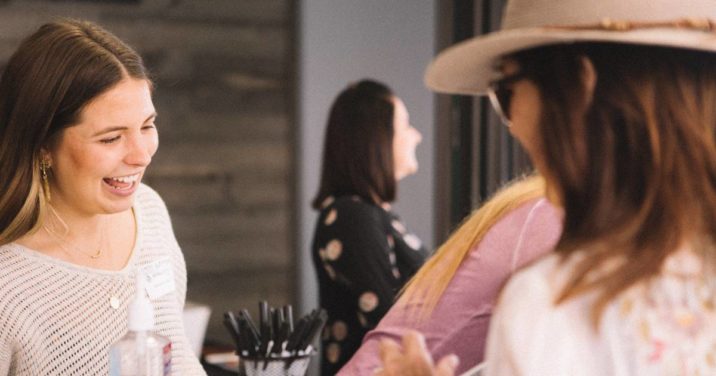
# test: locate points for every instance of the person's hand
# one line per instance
(412, 359)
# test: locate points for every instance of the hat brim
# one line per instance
(468, 67)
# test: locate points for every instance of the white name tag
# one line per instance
(159, 278)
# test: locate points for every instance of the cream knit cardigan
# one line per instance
(58, 318)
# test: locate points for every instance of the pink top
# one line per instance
(460, 320)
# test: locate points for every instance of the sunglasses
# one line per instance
(500, 94)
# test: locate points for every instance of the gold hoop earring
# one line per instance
(44, 166)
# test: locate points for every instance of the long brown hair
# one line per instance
(358, 146)
(634, 163)
(422, 293)
(47, 82)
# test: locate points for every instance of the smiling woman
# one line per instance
(98, 163)
(77, 132)
(362, 251)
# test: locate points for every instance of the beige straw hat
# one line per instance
(468, 67)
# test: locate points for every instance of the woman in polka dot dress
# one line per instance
(362, 252)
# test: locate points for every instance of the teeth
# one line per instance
(126, 179)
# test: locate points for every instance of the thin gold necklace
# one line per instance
(59, 239)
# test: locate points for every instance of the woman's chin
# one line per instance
(406, 172)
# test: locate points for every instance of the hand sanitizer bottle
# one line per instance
(140, 352)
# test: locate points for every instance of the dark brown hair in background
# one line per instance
(358, 146)
(53, 74)
(634, 165)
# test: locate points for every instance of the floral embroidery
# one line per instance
(670, 322)
(658, 350)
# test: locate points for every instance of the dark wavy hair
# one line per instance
(358, 146)
(47, 82)
(633, 162)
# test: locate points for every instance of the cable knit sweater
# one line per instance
(57, 318)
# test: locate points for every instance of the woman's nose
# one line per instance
(139, 152)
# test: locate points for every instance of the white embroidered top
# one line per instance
(57, 318)
(665, 327)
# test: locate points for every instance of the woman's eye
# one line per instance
(149, 126)
(109, 140)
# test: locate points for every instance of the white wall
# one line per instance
(343, 41)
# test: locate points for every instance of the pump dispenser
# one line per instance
(140, 352)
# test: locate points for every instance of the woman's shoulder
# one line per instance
(11, 256)
(527, 301)
(347, 201)
(22, 268)
(147, 195)
(350, 217)
(537, 212)
(537, 287)
(523, 233)
(542, 277)
(17, 260)
(147, 199)
(352, 204)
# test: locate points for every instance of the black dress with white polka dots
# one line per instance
(363, 255)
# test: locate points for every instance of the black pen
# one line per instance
(282, 338)
(263, 316)
(251, 326)
(277, 320)
(288, 316)
(314, 323)
(246, 339)
(252, 334)
(233, 327)
(317, 322)
(265, 327)
(295, 338)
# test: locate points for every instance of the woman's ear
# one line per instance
(589, 76)
(46, 156)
